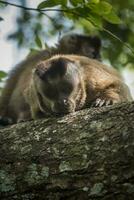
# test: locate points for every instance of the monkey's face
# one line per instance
(57, 84)
(81, 45)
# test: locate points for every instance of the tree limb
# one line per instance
(85, 155)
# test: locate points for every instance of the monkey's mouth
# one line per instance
(56, 109)
(62, 111)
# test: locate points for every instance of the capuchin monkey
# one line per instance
(81, 45)
(63, 84)
(68, 44)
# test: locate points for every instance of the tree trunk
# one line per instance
(87, 155)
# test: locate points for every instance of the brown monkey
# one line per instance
(69, 44)
(81, 45)
(64, 84)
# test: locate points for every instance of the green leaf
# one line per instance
(33, 52)
(64, 2)
(47, 3)
(70, 15)
(76, 2)
(95, 1)
(112, 18)
(87, 14)
(2, 74)
(3, 5)
(95, 19)
(38, 42)
(101, 8)
(51, 3)
(1, 19)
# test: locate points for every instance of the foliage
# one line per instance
(88, 16)
(2, 74)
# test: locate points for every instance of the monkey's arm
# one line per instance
(116, 92)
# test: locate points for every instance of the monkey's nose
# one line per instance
(64, 106)
(63, 103)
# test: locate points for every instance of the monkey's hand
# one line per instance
(103, 101)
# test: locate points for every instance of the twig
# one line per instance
(71, 12)
(34, 9)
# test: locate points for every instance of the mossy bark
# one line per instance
(87, 155)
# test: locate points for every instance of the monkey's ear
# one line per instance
(40, 70)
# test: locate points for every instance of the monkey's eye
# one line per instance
(51, 93)
(66, 88)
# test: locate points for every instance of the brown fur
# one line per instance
(81, 45)
(38, 89)
(75, 44)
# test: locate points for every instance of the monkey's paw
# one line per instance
(99, 102)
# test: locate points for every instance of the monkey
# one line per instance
(82, 45)
(63, 84)
(69, 44)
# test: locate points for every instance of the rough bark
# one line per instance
(88, 155)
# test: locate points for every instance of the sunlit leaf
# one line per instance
(76, 2)
(51, 3)
(2, 74)
(112, 18)
(101, 8)
(45, 4)
(94, 1)
(38, 41)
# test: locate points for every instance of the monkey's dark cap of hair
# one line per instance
(57, 67)
(54, 68)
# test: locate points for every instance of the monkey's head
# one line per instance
(81, 45)
(58, 85)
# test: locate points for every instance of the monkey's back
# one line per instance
(99, 80)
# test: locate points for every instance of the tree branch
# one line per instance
(36, 9)
(85, 155)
